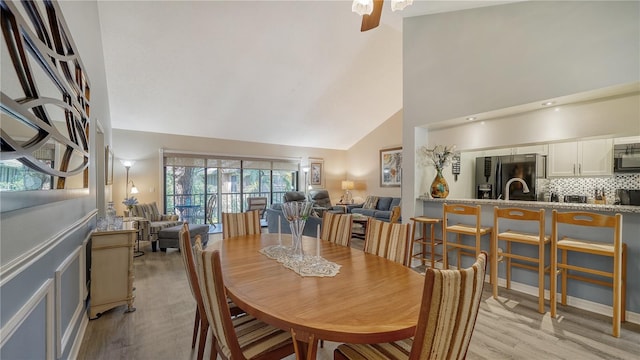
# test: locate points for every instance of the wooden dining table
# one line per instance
(370, 300)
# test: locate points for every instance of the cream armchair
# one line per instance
(154, 220)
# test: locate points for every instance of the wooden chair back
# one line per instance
(192, 277)
(395, 214)
(461, 209)
(336, 228)
(449, 310)
(388, 240)
(240, 224)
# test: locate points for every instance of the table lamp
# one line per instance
(347, 185)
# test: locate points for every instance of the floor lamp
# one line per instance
(306, 172)
(134, 190)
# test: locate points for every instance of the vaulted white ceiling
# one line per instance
(283, 72)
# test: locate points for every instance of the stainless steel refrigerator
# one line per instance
(493, 173)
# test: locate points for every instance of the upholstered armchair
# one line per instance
(294, 196)
(154, 220)
(322, 202)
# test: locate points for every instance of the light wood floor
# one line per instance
(510, 328)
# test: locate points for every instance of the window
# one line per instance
(191, 181)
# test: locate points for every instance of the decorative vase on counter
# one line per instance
(439, 186)
(111, 216)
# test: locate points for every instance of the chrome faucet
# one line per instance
(524, 184)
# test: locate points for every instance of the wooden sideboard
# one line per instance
(111, 271)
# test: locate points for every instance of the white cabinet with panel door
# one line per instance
(581, 158)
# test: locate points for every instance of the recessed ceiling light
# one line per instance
(557, 109)
(548, 103)
(471, 118)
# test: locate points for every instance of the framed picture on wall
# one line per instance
(108, 164)
(391, 167)
(316, 172)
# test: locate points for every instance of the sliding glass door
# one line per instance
(199, 189)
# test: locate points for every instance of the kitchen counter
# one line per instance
(540, 204)
(582, 295)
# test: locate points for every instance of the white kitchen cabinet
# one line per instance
(532, 149)
(111, 271)
(581, 158)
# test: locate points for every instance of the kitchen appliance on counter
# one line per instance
(626, 158)
(628, 197)
(493, 173)
(579, 199)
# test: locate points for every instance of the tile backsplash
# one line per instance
(587, 185)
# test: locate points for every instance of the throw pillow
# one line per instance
(371, 202)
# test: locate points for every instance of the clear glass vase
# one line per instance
(296, 214)
(111, 216)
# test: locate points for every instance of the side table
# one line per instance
(362, 220)
(136, 225)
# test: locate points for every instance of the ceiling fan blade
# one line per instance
(372, 21)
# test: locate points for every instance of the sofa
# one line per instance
(154, 220)
(378, 207)
(275, 211)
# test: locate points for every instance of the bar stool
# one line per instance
(423, 222)
(614, 248)
(476, 229)
(539, 240)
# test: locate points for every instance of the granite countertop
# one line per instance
(541, 204)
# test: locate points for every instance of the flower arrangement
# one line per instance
(440, 156)
(130, 201)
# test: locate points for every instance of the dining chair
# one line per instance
(242, 337)
(200, 321)
(336, 228)
(240, 224)
(609, 227)
(535, 219)
(448, 313)
(388, 240)
(190, 269)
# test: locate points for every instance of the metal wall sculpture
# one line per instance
(45, 95)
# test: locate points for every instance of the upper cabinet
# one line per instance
(532, 149)
(581, 158)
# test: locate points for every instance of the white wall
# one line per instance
(364, 159)
(610, 117)
(473, 61)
